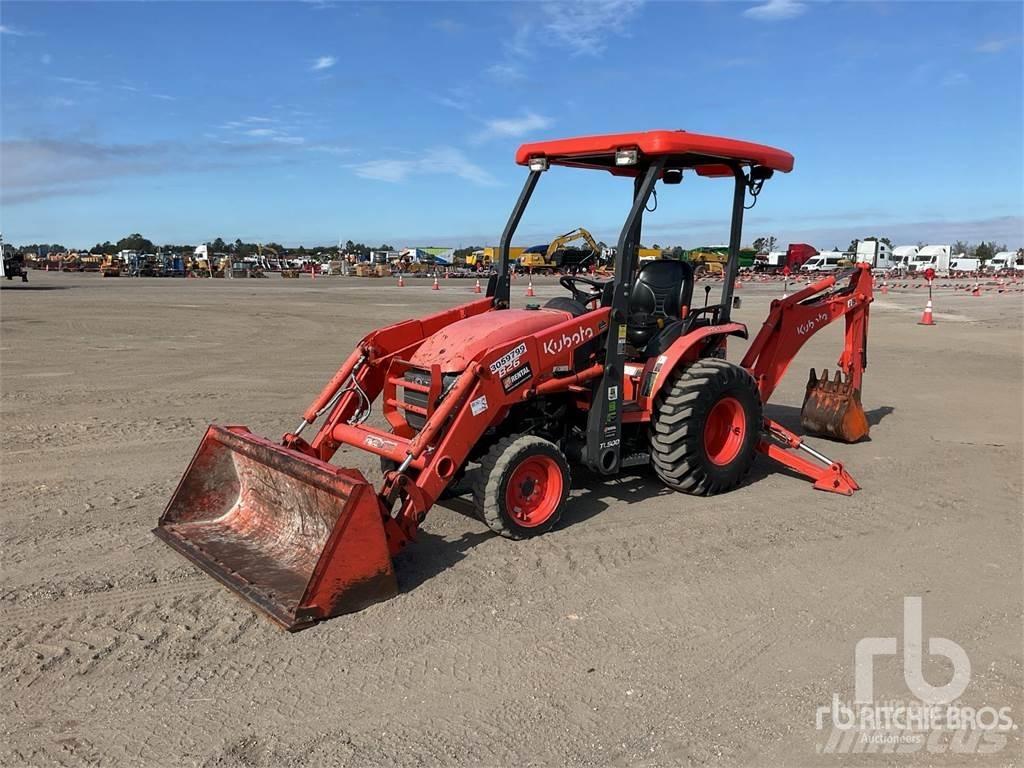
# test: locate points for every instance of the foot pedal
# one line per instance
(635, 460)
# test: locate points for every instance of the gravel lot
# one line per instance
(650, 628)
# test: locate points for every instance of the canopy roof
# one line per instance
(702, 153)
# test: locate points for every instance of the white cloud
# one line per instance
(261, 132)
(46, 58)
(61, 101)
(505, 72)
(448, 26)
(994, 46)
(257, 119)
(776, 10)
(955, 78)
(77, 81)
(331, 149)
(295, 140)
(5, 30)
(584, 26)
(163, 96)
(435, 162)
(324, 62)
(512, 127)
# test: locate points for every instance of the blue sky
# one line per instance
(305, 122)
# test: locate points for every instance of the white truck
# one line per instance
(902, 255)
(1005, 260)
(876, 253)
(936, 257)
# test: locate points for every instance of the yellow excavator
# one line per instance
(489, 256)
(552, 257)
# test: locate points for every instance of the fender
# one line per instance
(684, 349)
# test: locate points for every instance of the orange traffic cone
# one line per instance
(436, 286)
(736, 285)
(529, 287)
(401, 280)
(926, 318)
(885, 287)
(976, 291)
(476, 288)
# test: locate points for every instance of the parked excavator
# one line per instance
(557, 255)
(616, 373)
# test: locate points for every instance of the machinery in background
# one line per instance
(778, 261)
(559, 256)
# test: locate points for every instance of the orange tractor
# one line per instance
(617, 373)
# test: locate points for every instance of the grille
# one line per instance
(412, 397)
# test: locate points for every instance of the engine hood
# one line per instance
(454, 346)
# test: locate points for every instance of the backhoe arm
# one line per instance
(793, 320)
(830, 408)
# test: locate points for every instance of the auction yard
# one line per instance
(649, 628)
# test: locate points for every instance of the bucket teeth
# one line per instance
(832, 408)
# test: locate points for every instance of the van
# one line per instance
(961, 263)
(828, 261)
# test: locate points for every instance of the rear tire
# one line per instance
(705, 427)
(522, 486)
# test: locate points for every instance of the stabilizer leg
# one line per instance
(779, 444)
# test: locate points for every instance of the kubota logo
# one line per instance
(804, 328)
(567, 341)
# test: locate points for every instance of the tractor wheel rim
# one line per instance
(724, 431)
(534, 491)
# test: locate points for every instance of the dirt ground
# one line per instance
(650, 628)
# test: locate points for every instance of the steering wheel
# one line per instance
(584, 297)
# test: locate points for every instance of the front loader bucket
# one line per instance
(832, 409)
(299, 538)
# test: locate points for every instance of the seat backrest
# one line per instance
(662, 288)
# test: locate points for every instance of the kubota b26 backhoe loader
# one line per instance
(617, 373)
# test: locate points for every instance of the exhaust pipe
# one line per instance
(299, 538)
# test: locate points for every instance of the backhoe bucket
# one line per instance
(832, 409)
(301, 539)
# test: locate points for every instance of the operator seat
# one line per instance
(662, 288)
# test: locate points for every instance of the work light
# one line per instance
(625, 156)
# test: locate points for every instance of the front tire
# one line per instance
(705, 427)
(522, 486)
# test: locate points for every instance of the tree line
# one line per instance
(137, 242)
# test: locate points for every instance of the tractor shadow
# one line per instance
(789, 417)
(26, 287)
(591, 494)
(431, 553)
